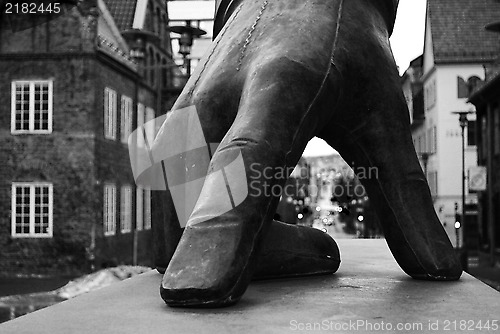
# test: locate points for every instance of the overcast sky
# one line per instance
(407, 43)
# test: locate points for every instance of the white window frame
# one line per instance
(126, 118)
(109, 209)
(126, 209)
(110, 102)
(434, 139)
(139, 209)
(31, 106)
(147, 209)
(32, 204)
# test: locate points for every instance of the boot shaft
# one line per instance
(224, 9)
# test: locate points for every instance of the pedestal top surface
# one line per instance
(369, 293)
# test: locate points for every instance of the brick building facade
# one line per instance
(70, 95)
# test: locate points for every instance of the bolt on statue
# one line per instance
(278, 73)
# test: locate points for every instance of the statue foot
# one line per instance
(373, 134)
(213, 263)
(292, 251)
(209, 272)
(403, 202)
(382, 155)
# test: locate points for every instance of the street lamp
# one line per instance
(188, 33)
(463, 123)
(137, 39)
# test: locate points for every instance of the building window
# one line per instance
(430, 95)
(158, 64)
(466, 88)
(433, 183)
(431, 140)
(109, 214)
(434, 140)
(421, 144)
(471, 133)
(158, 22)
(126, 209)
(31, 107)
(109, 113)
(147, 209)
(425, 141)
(472, 84)
(164, 71)
(126, 118)
(428, 146)
(140, 123)
(462, 89)
(139, 213)
(150, 129)
(32, 210)
(164, 38)
(152, 67)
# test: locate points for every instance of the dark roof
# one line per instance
(458, 32)
(123, 12)
(417, 62)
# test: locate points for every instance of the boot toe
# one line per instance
(209, 268)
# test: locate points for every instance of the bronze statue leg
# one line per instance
(217, 254)
(280, 79)
(370, 128)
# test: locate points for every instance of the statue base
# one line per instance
(368, 291)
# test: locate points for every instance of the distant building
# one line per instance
(487, 101)
(413, 92)
(323, 170)
(456, 48)
(70, 95)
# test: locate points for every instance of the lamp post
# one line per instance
(457, 227)
(463, 123)
(188, 33)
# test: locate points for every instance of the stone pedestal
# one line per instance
(368, 294)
